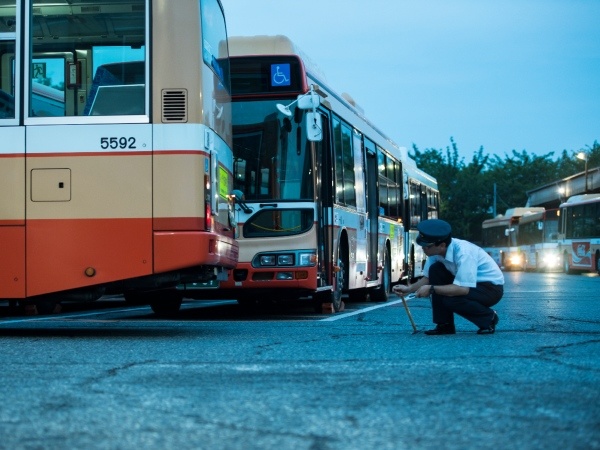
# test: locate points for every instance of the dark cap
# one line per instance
(433, 231)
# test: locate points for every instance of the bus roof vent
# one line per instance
(174, 105)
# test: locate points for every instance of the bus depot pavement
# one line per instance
(217, 378)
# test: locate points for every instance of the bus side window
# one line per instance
(117, 89)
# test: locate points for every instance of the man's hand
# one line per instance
(400, 289)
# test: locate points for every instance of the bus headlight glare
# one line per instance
(267, 260)
(516, 259)
(285, 260)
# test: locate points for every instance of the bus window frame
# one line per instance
(28, 55)
(14, 73)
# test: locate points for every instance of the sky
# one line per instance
(503, 75)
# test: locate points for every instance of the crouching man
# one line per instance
(460, 277)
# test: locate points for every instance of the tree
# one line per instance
(466, 190)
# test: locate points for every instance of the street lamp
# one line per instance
(585, 156)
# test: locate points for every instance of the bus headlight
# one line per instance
(285, 260)
(516, 259)
(551, 260)
(307, 259)
(267, 260)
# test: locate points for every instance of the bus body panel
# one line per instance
(579, 240)
(96, 188)
(12, 262)
(12, 212)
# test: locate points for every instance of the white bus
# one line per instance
(116, 163)
(579, 238)
(538, 240)
(326, 197)
(500, 238)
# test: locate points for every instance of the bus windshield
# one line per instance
(272, 158)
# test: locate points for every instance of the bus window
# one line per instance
(7, 62)
(339, 162)
(214, 49)
(117, 89)
(48, 87)
(349, 181)
(91, 69)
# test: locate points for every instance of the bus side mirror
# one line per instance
(314, 127)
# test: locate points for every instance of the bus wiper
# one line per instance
(239, 201)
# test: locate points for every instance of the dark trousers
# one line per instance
(475, 306)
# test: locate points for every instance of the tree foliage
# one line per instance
(467, 188)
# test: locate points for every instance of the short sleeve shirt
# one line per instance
(468, 263)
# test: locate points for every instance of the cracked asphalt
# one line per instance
(219, 377)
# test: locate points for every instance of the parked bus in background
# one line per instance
(422, 202)
(323, 193)
(579, 238)
(500, 238)
(538, 240)
(115, 167)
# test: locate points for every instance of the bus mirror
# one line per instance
(310, 100)
(314, 127)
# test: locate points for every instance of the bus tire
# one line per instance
(566, 266)
(339, 280)
(382, 292)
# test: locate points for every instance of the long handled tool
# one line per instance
(412, 322)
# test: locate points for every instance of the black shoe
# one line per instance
(442, 328)
(492, 328)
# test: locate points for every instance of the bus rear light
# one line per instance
(207, 217)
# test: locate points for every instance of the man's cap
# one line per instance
(433, 231)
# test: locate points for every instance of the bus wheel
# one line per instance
(382, 292)
(166, 303)
(338, 288)
(566, 266)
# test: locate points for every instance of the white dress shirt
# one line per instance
(468, 263)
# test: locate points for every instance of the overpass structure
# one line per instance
(551, 195)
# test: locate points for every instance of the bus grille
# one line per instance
(174, 105)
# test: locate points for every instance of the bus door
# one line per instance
(372, 174)
(12, 157)
(324, 161)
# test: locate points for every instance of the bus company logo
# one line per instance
(581, 253)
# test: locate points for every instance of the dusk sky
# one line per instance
(510, 74)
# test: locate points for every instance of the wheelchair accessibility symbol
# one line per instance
(280, 75)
